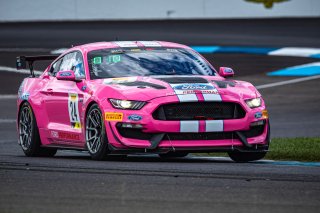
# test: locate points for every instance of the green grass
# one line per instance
(299, 149)
(293, 149)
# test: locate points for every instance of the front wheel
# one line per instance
(96, 138)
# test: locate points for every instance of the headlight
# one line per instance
(253, 103)
(124, 104)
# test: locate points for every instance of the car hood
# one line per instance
(148, 88)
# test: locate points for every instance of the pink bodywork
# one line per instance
(49, 99)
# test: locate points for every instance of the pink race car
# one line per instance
(139, 97)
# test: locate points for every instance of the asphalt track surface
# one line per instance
(71, 182)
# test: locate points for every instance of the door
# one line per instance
(63, 101)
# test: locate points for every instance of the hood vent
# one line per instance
(182, 80)
(224, 84)
(142, 84)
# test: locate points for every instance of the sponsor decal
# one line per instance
(189, 89)
(97, 60)
(24, 96)
(113, 116)
(193, 87)
(200, 91)
(112, 59)
(172, 50)
(126, 44)
(83, 88)
(73, 103)
(65, 135)
(54, 134)
(119, 80)
(135, 117)
(258, 115)
(150, 43)
(135, 50)
(65, 74)
(228, 70)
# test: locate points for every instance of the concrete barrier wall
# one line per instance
(35, 10)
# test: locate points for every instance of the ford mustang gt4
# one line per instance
(122, 97)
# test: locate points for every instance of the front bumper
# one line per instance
(197, 135)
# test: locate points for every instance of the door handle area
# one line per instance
(50, 91)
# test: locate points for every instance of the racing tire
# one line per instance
(29, 137)
(242, 157)
(96, 137)
(174, 155)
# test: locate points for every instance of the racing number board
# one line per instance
(74, 110)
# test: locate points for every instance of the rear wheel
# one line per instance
(174, 155)
(96, 138)
(29, 138)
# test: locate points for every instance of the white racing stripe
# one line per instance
(22, 71)
(189, 126)
(188, 98)
(184, 97)
(297, 80)
(214, 126)
(7, 121)
(212, 97)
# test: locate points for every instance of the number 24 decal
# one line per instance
(73, 101)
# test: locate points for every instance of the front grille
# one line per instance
(139, 134)
(199, 111)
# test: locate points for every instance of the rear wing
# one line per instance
(22, 61)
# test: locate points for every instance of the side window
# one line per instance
(73, 61)
(78, 66)
(55, 67)
(68, 61)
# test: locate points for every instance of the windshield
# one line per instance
(111, 63)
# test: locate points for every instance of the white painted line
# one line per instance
(8, 97)
(297, 80)
(59, 51)
(7, 121)
(24, 50)
(7, 141)
(23, 71)
(295, 51)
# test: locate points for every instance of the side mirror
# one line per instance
(226, 72)
(67, 75)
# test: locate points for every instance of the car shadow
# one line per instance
(146, 158)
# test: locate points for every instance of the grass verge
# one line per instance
(299, 149)
(293, 149)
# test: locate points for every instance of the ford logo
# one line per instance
(65, 74)
(193, 87)
(258, 115)
(135, 117)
